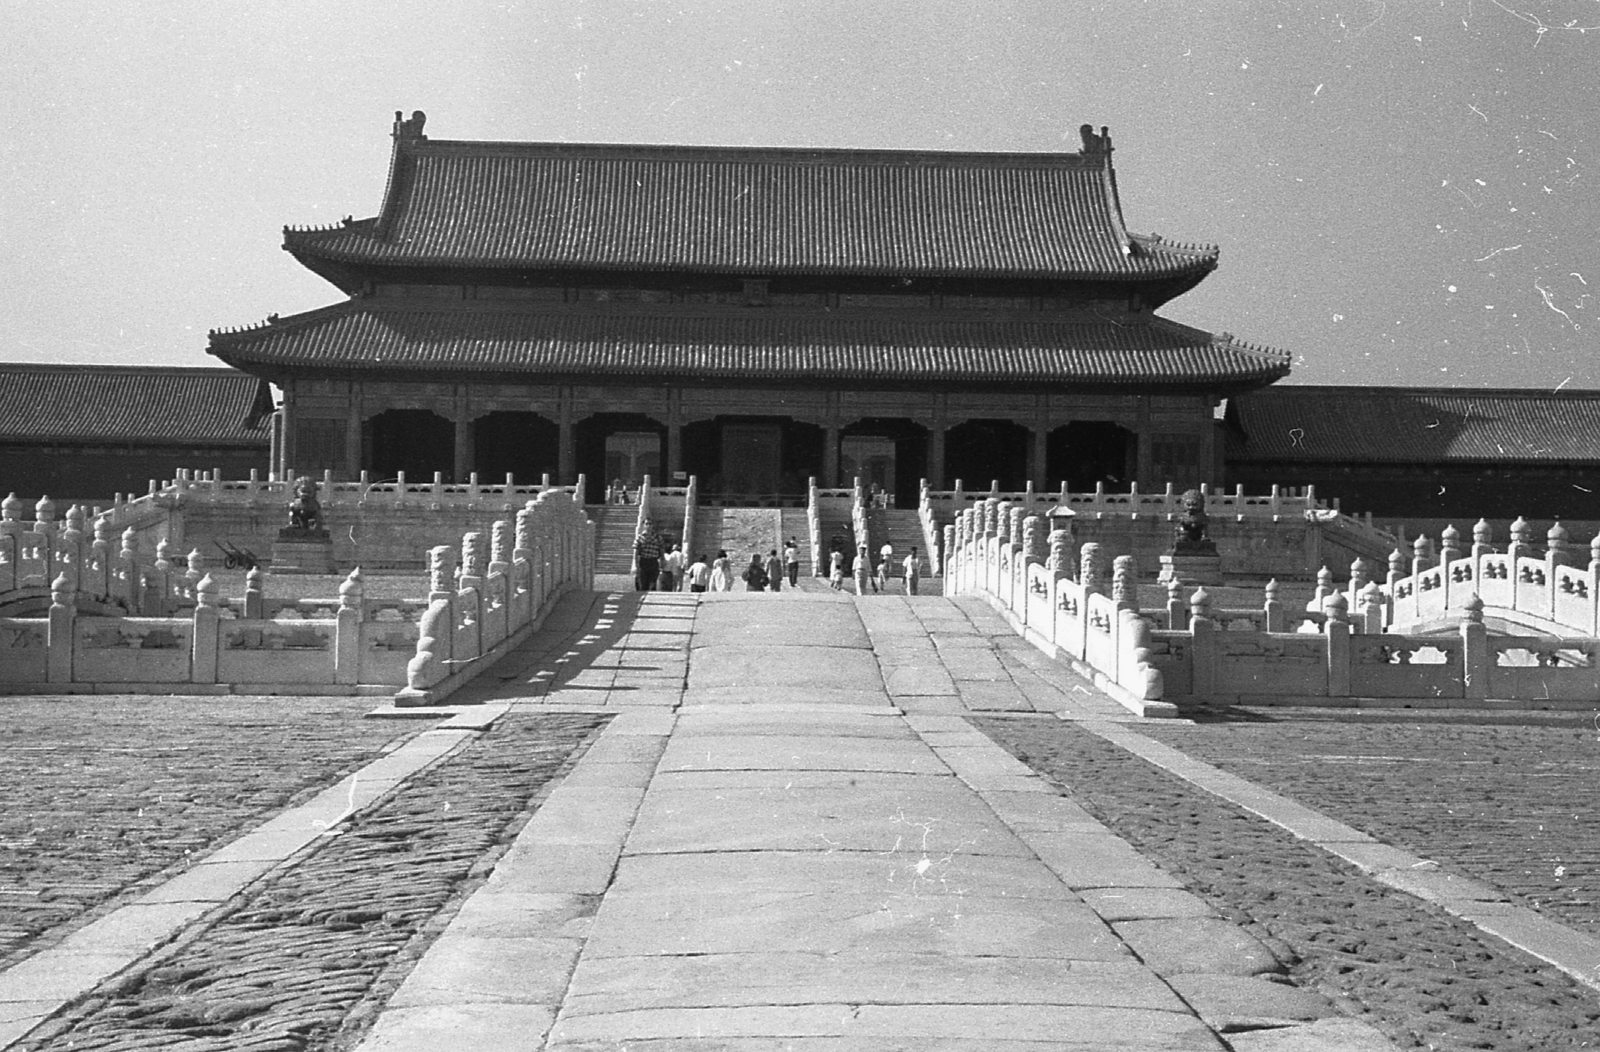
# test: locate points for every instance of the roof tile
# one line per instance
(1415, 425)
(130, 404)
(718, 209)
(754, 346)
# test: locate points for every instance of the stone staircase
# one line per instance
(903, 529)
(614, 526)
(795, 526)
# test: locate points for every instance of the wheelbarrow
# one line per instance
(236, 558)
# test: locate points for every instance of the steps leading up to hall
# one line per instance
(794, 526)
(903, 529)
(614, 526)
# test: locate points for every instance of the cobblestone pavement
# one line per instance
(104, 794)
(1427, 979)
(303, 960)
(1515, 805)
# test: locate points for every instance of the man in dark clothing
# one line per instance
(646, 557)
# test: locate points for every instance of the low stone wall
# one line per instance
(1279, 534)
(1060, 601)
(114, 622)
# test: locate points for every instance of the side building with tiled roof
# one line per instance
(1423, 453)
(89, 432)
(751, 316)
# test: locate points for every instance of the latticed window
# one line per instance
(1175, 459)
(319, 446)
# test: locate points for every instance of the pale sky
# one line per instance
(1405, 192)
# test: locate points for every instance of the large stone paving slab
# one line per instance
(798, 752)
(768, 666)
(806, 622)
(623, 984)
(754, 873)
(918, 917)
(938, 817)
(790, 719)
(1132, 1028)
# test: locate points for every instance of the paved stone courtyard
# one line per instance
(759, 822)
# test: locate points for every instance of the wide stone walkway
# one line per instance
(789, 837)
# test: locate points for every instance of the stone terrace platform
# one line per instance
(794, 831)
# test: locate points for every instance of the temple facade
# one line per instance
(751, 316)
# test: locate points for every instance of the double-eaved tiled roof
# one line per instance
(131, 404)
(760, 345)
(1358, 425)
(754, 211)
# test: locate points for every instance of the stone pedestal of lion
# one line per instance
(303, 546)
(1192, 560)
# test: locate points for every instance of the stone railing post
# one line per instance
(952, 557)
(522, 564)
(100, 560)
(1091, 571)
(500, 546)
(1337, 631)
(1557, 551)
(255, 597)
(1035, 547)
(1203, 654)
(1449, 545)
(1358, 580)
(347, 639)
(1125, 584)
(193, 575)
(1521, 544)
(1177, 612)
(1397, 572)
(1482, 543)
(207, 618)
(1475, 656)
(127, 573)
(471, 561)
(59, 632)
(1271, 608)
(158, 593)
(1370, 610)
(1060, 561)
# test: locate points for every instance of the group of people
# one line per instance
(659, 566)
(911, 566)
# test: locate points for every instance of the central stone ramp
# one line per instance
(805, 871)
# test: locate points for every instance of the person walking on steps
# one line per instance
(791, 562)
(647, 557)
(721, 573)
(755, 576)
(699, 574)
(774, 568)
(913, 567)
(671, 570)
(885, 562)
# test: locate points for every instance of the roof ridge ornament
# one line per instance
(410, 129)
(1096, 144)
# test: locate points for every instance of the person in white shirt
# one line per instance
(671, 579)
(885, 561)
(699, 574)
(791, 562)
(913, 567)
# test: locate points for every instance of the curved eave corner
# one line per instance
(1273, 364)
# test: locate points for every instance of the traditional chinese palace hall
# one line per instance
(750, 316)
